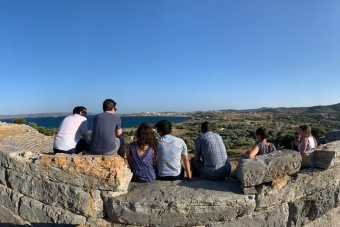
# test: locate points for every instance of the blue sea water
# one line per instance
(127, 122)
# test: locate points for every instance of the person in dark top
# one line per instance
(141, 154)
(296, 141)
(107, 132)
(262, 146)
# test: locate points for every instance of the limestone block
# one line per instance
(9, 198)
(275, 216)
(330, 219)
(2, 176)
(309, 208)
(81, 201)
(94, 172)
(308, 159)
(290, 188)
(266, 168)
(328, 155)
(332, 136)
(91, 171)
(35, 211)
(8, 218)
(179, 203)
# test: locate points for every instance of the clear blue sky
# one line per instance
(168, 55)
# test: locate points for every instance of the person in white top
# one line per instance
(307, 141)
(72, 135)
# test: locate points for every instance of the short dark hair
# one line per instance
(206, 126)
(164, 126)
(109, 104)
(263, 132)
(78, 109)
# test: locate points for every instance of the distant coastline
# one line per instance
(127, 121)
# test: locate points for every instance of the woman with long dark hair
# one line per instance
(141, 154)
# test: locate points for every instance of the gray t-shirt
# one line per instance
(104, 132)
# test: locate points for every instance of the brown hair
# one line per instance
(307, 129)
(263, 132)
(146, 136)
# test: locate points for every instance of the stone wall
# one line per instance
(38, 188)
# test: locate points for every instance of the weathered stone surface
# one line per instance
(332, 136)
(328, 155)
(308, 208)
(274, 216)
(9, 198)
(94, 172)
(308, 159)
(265, 168)
(330, 219)
(178, 203)
(34, 211)
(2, 175)
(78, 200)
(290, 188)
(10, 219)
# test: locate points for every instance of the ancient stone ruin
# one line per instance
(38, 188)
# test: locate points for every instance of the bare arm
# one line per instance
(186, 166)
(119, 132)
(303, 146)
(252, 153)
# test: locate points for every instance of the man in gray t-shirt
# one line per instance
(107, 132)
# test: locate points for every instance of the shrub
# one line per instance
(33, 125)
(19, 121)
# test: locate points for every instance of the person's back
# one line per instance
(72, 132)
(214, 154)
(265, 148)
(171, 151)
(106, 138)
(141, 165)
(211, 159)
(103, 133)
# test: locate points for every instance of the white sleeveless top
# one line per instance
(311, 144)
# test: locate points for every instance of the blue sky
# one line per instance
(168, 55)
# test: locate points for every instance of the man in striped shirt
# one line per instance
(210, 158)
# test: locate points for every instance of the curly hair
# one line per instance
(146, 136)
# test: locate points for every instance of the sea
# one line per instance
(127, 121)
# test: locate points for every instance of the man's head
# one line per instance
(109, 105)
(164, 127)
(206, 127)
(81, 110)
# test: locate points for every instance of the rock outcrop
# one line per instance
(38, 188)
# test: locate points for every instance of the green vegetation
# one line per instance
(40, 129)
(238, 128)
(19, 121)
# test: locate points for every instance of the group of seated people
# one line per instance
(161, 158)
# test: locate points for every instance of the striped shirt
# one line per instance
(210, 147)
